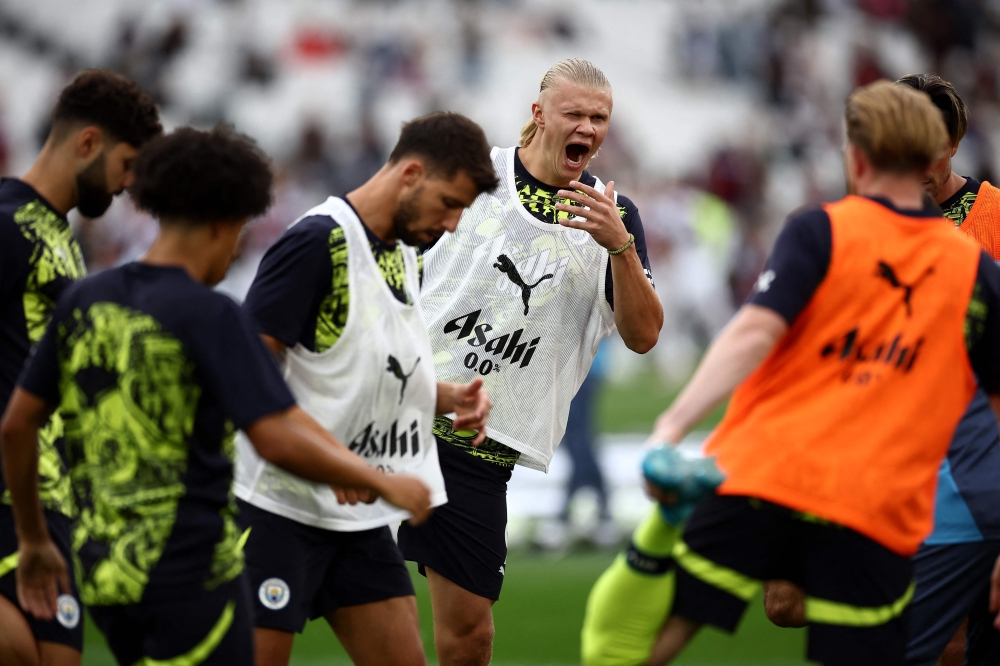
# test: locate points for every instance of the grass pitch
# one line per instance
(538, 621)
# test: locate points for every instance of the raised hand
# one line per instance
(600, 218)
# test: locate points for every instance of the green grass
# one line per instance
(633, 407)
(538, 622)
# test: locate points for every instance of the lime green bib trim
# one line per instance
(727, 580)
(9, 563)
(202, 650)
(845, 615)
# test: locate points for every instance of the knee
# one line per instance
(784, 604)
(469, 644)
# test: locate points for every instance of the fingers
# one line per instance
(473, 387)
(594, 192)
(480, 438)
(341, 495)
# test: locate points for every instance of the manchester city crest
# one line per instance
(274, 593)
(67, 611)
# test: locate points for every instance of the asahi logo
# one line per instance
(492, 351)
(870, 358)
(393, 441)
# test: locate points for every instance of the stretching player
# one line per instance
(535, 275)
(152, 372)
(854, 361)
(952, 567)
(99, 123)
(335, 298)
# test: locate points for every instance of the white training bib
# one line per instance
(374, 390)
(520, 303)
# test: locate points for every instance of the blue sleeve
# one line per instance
(292, 278)
(235, 365)
(797, 265)
(984, 329)
(633, 225)
(14, 257)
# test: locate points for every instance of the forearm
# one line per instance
(445, 398)
(737, 351)
(19, 450)
(638, 311)
(293, 441)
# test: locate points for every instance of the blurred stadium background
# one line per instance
(727, 118)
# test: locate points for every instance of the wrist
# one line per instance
(619, 249)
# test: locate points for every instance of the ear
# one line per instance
(954, 149)
(536, 114)
(412, 172)
(89, 142)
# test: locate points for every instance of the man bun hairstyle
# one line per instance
(199, 177)
(448, 143)
(944, 96)
(575, 70)
(111, 102)
(899, 129)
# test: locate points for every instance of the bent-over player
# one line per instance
(336, 298)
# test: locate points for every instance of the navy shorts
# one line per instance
(67, 627)
(953, 583)
(857, 590)
(212, 628)
(298, 572)
(466, 539)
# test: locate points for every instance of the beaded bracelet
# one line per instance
(631, 239)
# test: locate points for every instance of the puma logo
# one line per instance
(886, 272)
(397, 370)
(506, 266)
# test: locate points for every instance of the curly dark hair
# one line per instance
(448, 143)
(198, 177)
(944, 96)
(110, 101)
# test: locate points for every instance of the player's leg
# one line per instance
(462, 549)
(382, 633)
(56, 642)
(983, 639)
(785, 603)
(950, 577)
(858, 595)
(368, 599)
(17, 643)
(285, 565)
(631, 600)
(729, 544)
(463, 623)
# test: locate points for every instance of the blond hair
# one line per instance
(576, 70)
(898, 128)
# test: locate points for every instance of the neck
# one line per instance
(375, 203)
(540, 166)
(52, 176)
(903, 192)
(950, 187)
(183, 247)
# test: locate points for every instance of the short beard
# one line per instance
(93, 198)
(407, 213)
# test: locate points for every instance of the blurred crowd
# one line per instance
(727, 112)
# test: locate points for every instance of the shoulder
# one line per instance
(809, 224)
(314, 227)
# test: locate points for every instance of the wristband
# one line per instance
(631, 239)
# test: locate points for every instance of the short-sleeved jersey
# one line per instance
(153, 373)
(301, 294)
(39, 259)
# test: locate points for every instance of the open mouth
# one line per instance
(576, 153)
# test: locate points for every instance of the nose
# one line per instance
(127, 179)
(586, 127)
(451, 221)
